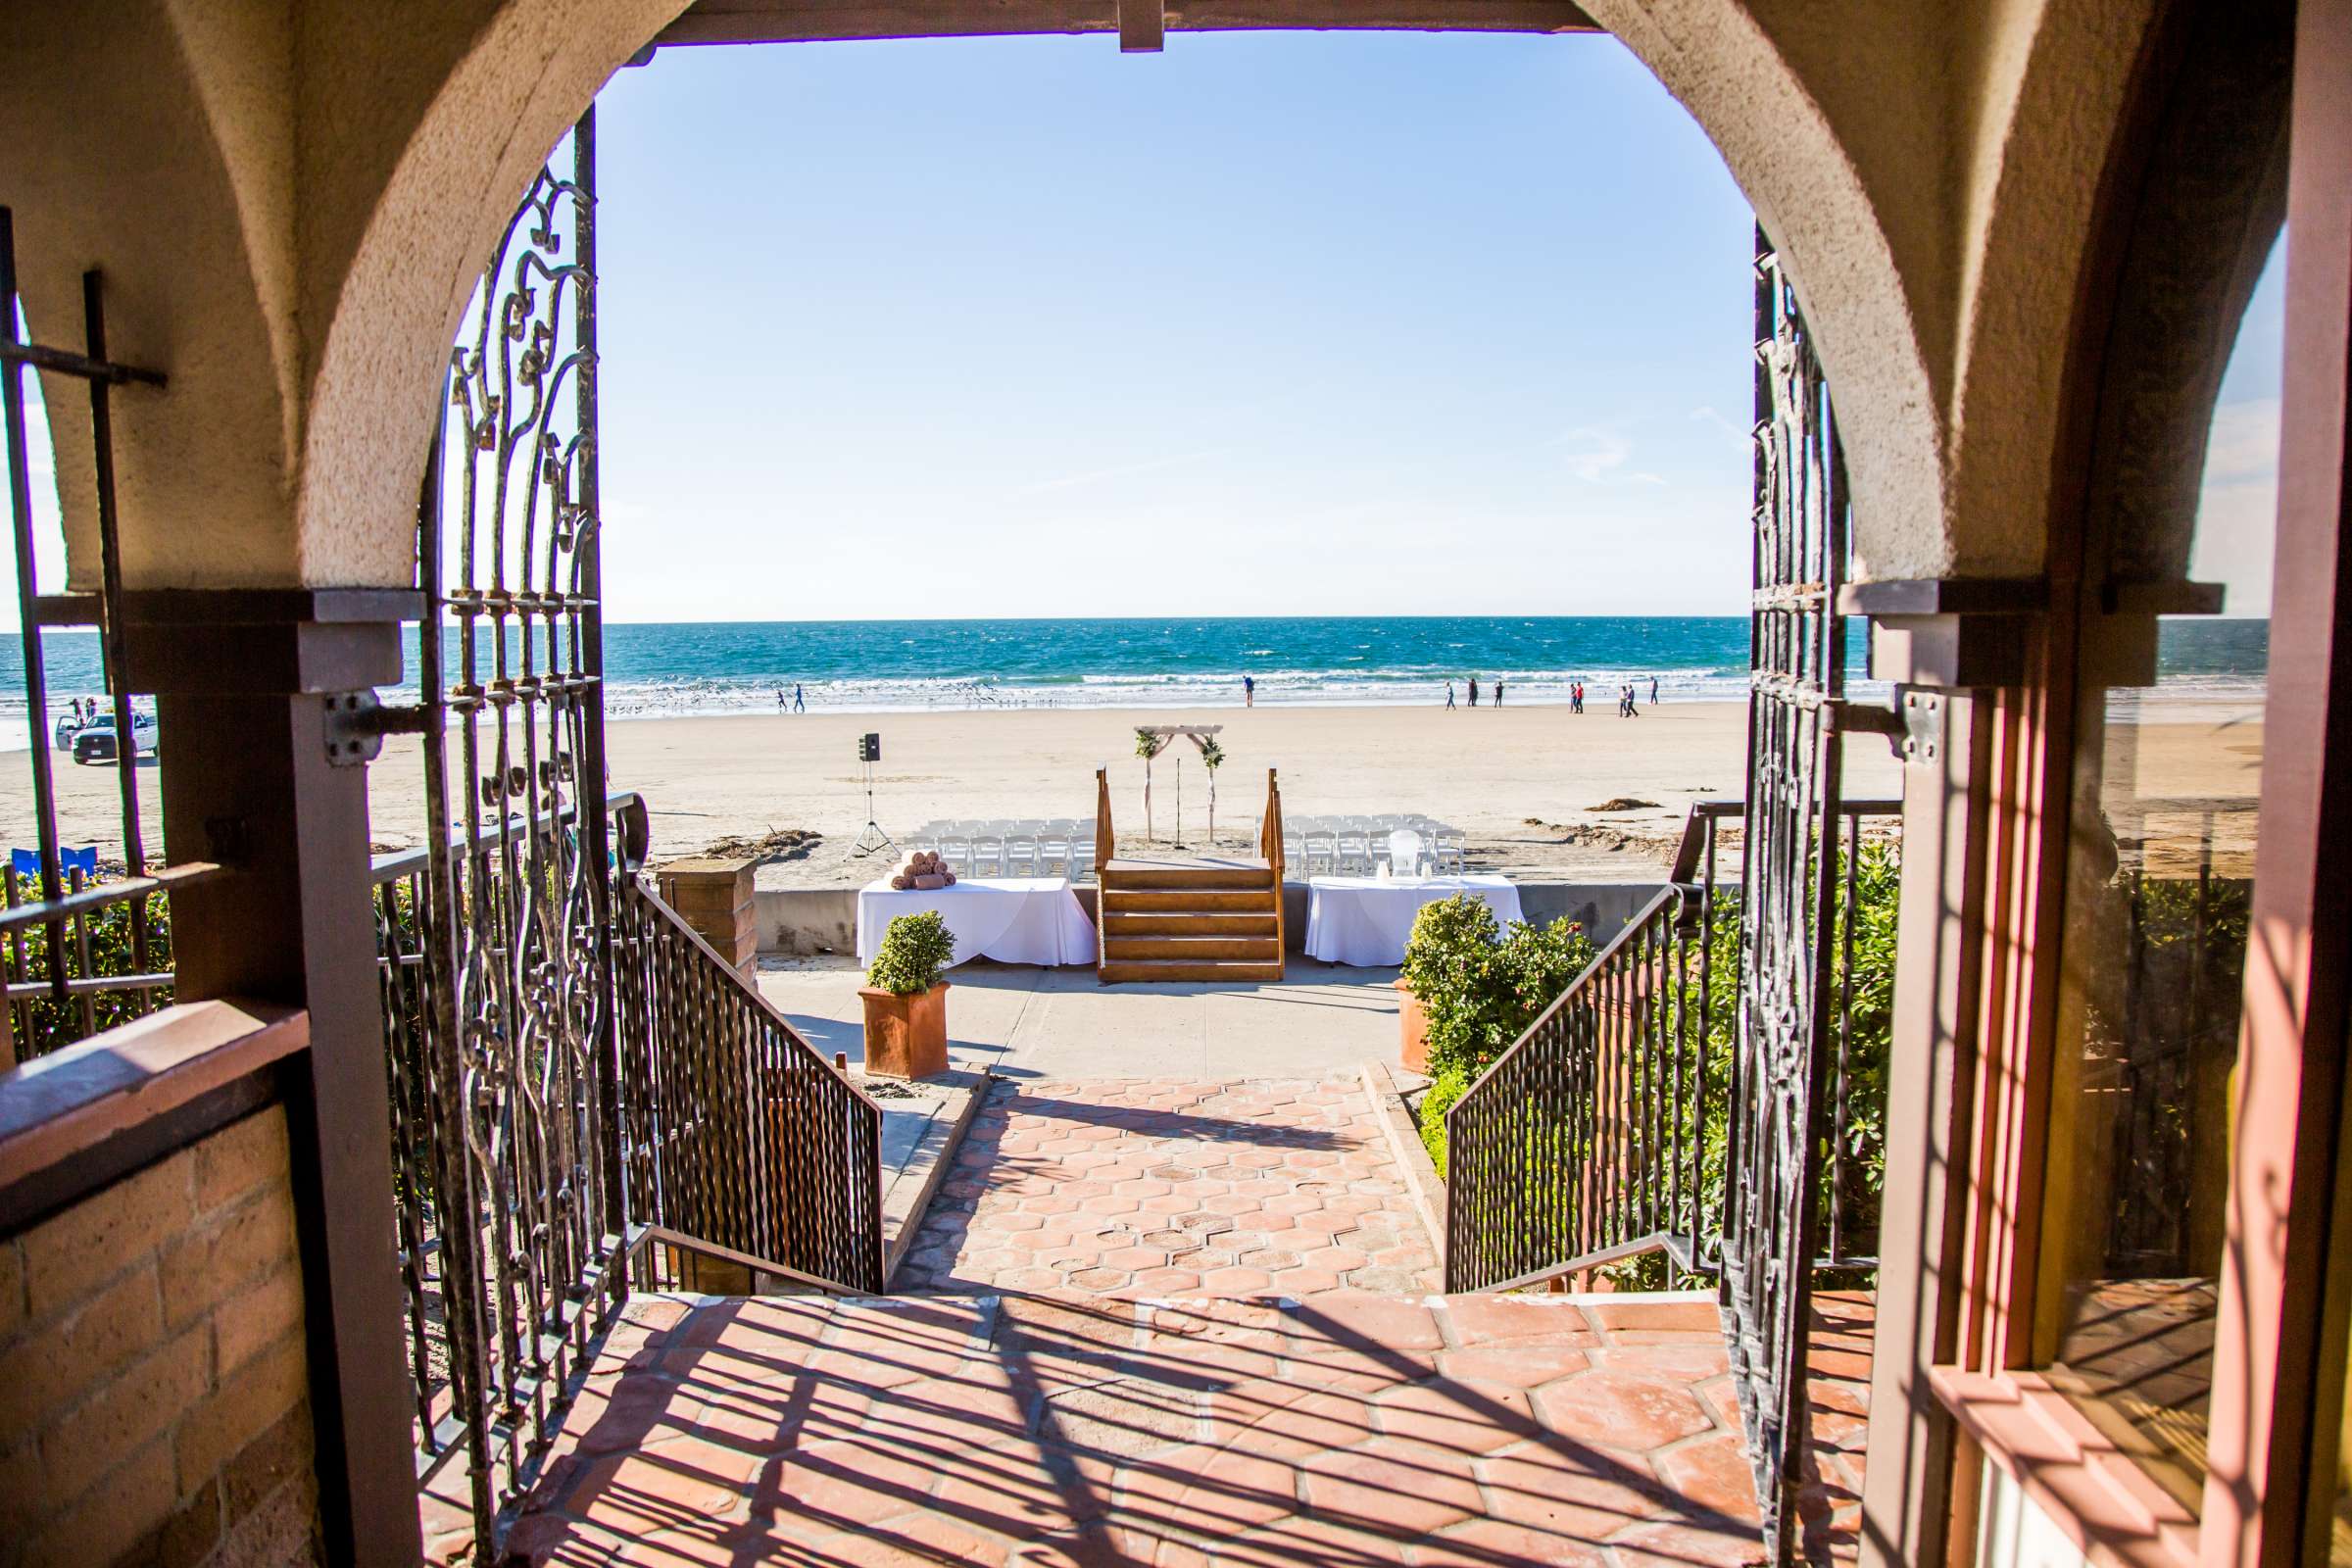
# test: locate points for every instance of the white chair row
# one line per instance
(1008, 846)
(1409, 845)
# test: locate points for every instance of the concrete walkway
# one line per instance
(1061, 1023)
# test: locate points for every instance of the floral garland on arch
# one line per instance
(1153, 739)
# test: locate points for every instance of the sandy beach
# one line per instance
(1523, 782)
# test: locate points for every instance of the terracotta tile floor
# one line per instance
(1346, 1430)
(1152, 1344)
(1168, 1188)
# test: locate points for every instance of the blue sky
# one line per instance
(1270, 322)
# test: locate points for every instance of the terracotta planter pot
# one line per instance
(1413, 1026)
(905, 1037)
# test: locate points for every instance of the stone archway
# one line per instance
(524, 81)
(292, 209)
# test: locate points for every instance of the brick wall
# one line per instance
(153, 1398)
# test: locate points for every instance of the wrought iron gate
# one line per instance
(586, 1096)
(516, 935)
(1789, 887)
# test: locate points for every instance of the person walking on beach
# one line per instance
(1653, 690)
(1473, 691)
(1249, 691)
(1576, 697)
(1450, 697)
(1498, 694)
(799, 706)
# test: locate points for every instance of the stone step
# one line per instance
(1188, 969)
(1225, 873)
(1117, 900)
(1208, 923)
(1263, 948)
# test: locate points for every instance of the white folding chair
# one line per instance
(1322, 850)
(1402, 848)
(1354, 847)
(1021, 854)
(988, 851)
(956, 849)
(1052, 844)
(1448, 852)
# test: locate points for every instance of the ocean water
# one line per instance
(656, 670)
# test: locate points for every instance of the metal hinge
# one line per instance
(356, 723)
(1912, 726)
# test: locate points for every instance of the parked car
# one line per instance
(95, 742)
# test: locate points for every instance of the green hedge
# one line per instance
(43, 1025)
(1481, 986)
(1485, 999)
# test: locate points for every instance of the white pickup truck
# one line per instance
(95, 740)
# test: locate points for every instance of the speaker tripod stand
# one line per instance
(872, 840)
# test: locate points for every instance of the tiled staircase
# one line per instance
(1214, 919)
(1163, 1324)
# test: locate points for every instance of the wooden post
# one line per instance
(715, 895)
(1143, 27)
(2276, 1405)
(1269, 834)
(1104, 838)
(243, 680)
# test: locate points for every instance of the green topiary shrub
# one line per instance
(917, 948)
(1443, 1090)
(43, 1025)
(1482, 986)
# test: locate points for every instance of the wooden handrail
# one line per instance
(1105, 841)
(1104, 838)
(730, 981)
(1269, 845)
(710, 1070)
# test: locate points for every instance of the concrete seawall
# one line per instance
(807, 922)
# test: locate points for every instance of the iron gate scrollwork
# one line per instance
(1789, 887)
(517, 935)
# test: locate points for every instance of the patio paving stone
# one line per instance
(1079, 1429)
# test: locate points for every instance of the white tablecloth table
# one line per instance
(1014, 919)
(1364, 921)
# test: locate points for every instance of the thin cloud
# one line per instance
(1708, 413)
(1599, 456)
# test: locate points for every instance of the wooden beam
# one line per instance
(720, 22)
(1143, 27)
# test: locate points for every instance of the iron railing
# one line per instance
(740, 1149)
(504, 1313)
(1798, 716)
(78, 956)
(1600, 1136)
(99, 956)
(735, 1129)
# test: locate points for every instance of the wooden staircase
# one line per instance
(1218, 918)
